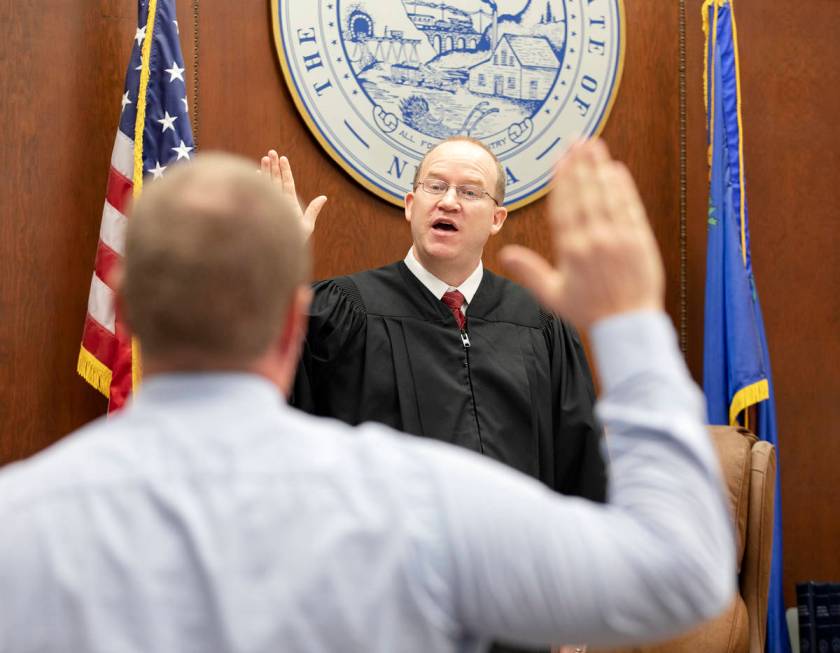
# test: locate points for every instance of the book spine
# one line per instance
(804, 607)
(821, 616)
(834, 617)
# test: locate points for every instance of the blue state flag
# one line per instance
(736, 363)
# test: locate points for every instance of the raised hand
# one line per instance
(278, 169)
(606, 260)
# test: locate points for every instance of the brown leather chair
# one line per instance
(749, 470)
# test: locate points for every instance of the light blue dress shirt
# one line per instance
(209, 516)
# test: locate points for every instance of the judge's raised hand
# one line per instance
(279, 171)
(605, 256)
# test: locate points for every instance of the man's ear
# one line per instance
(499, 217)
(280, 362)
(409, 200)
(297, 317)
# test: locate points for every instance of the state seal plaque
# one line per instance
(380, 82)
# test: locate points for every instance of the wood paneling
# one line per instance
(61, 73)
(62, 68)
(245, 107)
(60, 85)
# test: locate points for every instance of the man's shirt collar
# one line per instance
(438, 287)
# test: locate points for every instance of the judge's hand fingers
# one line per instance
(285, 173)
(535, 273)
(268, 164)
(310, 216)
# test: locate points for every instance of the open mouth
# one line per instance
(443, 224)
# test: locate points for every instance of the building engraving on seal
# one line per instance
(379, 83)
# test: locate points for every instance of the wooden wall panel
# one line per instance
(245, 107)
(62, 69)
(60, 82)
(791, 100)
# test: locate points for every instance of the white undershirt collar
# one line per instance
(438, 287)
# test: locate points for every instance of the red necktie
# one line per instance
(455, 300)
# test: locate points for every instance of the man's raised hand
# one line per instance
(606, 260)
(279, 171)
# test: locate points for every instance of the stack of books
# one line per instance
(818, 605)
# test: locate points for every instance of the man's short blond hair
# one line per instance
(213, 255)
(501, 177)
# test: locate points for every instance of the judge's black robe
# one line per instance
(380, 347)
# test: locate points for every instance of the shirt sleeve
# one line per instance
(530, 566)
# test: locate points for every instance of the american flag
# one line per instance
(154, 133)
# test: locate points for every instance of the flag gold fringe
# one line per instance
(94, 371)
(140, 120)
(139, 124)
(740, 137)
(746, 397)
(136, 365)
(708, 87)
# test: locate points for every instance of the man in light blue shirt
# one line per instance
(209, 516)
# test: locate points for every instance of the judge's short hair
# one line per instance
(501, 178)
(213, 255)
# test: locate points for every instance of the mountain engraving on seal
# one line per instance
(444, 70)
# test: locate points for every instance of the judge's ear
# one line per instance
(409, 200)
(499, 217)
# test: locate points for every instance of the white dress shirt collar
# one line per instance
(438, 287)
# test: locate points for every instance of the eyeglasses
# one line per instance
(467, 192)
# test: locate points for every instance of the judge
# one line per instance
(438, 346)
